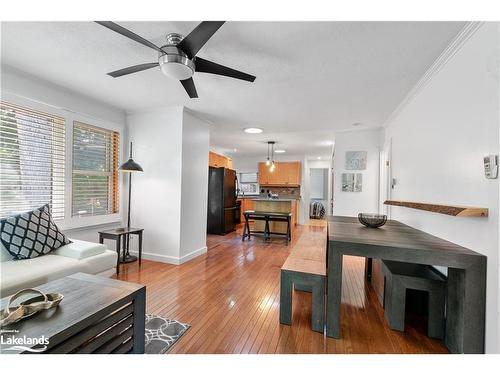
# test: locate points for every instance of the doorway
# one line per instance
(319, 189)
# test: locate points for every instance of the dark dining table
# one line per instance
(466, 289)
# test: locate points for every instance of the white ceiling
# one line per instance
(313, 78)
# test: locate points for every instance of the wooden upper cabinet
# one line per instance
(286, 173)
(293, 173)
(216, 160)
(264, 174)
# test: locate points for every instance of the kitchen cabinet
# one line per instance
(247, 204)
(216, 160)
(285, 174)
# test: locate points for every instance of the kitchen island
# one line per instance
(280, 205)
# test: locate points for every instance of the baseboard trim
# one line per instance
(193, 254)
(170, 259)
(157, 257)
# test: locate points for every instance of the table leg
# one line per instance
(118, 246)
(101, 239)
(334, 292)
(124, 246)
(368, 268)
(466, 308)
(140, 248)
(266, 230)
(139, 322)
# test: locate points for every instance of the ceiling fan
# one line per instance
(177, 58)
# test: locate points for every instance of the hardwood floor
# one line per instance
(230, 297)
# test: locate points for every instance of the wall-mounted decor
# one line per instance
(355, 160)
(352, 182)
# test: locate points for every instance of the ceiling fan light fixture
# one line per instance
(176, 66)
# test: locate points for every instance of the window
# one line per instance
(248, 184)
(95, 171)
(32, 160)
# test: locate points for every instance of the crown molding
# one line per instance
(449, 52)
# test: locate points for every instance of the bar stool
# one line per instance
(400, 276)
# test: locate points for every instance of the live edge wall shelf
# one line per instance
(442, 208)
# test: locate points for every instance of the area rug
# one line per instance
(162, 333)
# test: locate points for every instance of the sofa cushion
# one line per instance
(78, 249)
(31, 234)
(29, 273)
(5, 256)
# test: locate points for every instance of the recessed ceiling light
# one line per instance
(280, 151)
(253, 130)
(235, 150)
(319, 157)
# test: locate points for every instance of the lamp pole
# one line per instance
(129, 166)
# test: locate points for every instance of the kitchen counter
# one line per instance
(283, 205)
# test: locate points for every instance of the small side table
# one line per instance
(116, 235)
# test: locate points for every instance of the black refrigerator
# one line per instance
(221, 200)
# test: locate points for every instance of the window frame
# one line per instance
(70, 116)
(110, 174)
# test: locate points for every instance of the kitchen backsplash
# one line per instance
(282, 191)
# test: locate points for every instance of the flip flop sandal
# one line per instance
(29, 307)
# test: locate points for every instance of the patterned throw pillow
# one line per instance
(31, 234)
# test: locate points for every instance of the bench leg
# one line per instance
(244, 230)
(395, 305)
(435, 325)
(318, 304)
(286, 298)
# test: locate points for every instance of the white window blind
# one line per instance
(32, 159)
(95, 170)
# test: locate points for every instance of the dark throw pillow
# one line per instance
(31, 234)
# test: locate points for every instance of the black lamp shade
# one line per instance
(130, 166)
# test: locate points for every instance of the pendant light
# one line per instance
(271, 164)
(268, 162)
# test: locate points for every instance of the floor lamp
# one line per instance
(130, 166)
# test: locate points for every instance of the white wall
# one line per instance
(438, 141)
(23, 89)
(169, 199)
(351, 203)
(156, 194)
(27, 86)
(194, 194)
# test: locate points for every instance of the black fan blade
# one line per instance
(129, 34)
(132, 69)
(205, 66)
(197, 38)
(190, 87)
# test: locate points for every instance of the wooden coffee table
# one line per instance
(97, 315)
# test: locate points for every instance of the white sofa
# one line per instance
(78, 256)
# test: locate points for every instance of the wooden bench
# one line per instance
(400, 276)
(267, 217)
(305, 267)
